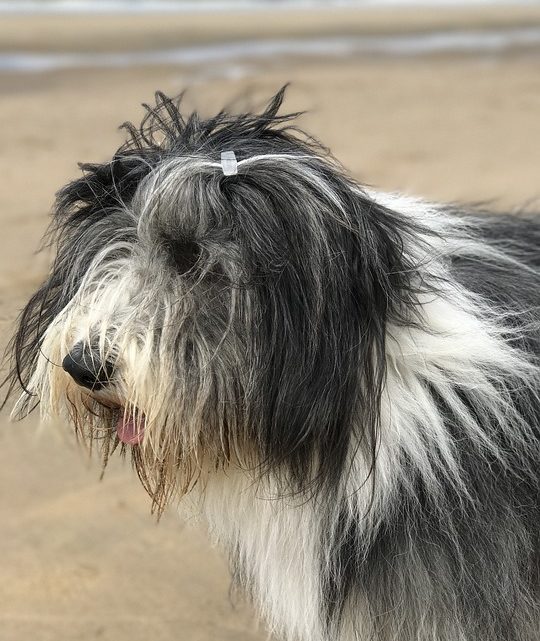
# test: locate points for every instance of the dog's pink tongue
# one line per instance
(130, 430)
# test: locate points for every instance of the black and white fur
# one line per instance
(344, 384)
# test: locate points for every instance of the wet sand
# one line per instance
(83, 559)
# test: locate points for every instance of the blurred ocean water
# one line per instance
(147, 6)
(486, 42)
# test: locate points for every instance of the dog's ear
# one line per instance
(324, 325)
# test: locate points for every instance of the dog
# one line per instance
(344, 384)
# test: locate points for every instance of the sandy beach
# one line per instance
(84, 559)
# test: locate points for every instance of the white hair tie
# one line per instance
(229, 165)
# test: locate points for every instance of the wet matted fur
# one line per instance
(345, 384)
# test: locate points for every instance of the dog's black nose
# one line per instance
(86, 369)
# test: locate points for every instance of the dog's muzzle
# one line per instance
(86, 369)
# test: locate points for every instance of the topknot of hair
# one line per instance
(164, 130)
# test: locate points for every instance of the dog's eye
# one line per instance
(184, 254)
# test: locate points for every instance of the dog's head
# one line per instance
(195, 317)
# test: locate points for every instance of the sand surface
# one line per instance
(82, 559)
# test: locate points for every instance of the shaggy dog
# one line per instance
(344, 384)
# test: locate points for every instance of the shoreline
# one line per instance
(151, 32)
(413, 45)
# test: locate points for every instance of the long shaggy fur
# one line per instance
(345, 384)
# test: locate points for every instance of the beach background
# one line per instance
(440, 100)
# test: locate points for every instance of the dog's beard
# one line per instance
(167, 454)
(166, 470)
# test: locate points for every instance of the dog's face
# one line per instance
(197, 318)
